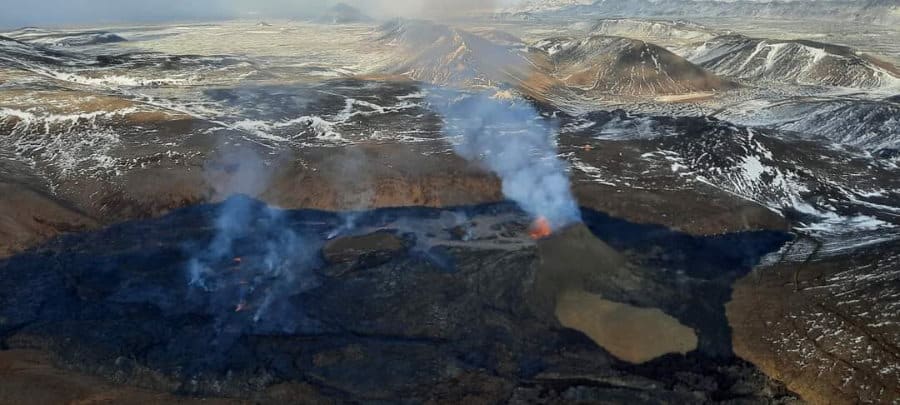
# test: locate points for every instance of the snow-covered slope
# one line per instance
(49, 38)
(829, 192)
(866, 124)
(793, 61)
(653, 29)
(867, 11)
(17, 53)
(623, 66)
(532, 6)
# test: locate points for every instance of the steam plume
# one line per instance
(513, 140)
(254, 259)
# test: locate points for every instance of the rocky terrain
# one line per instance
(30, 377)
(818, 323)
(866, 11)
(865, 124)
(414, 291)
(599, 65)
(798, 61)
(656, 31)
(372, 234)
(444, 55)
(63, 39)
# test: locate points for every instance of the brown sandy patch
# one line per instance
(633, 334)
(80, 102)
(30, 218)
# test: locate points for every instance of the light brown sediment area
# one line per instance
(630, 333)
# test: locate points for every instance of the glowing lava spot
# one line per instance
(540, 229)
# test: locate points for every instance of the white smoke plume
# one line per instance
(254, 258)
(510, 138)
(500, 130)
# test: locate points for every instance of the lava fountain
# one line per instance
(540, 229)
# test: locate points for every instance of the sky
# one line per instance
(44, 13)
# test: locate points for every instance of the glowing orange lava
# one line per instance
(540, 229)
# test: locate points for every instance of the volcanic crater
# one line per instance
(317, 299)
(476, 211)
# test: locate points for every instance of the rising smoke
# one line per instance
(254, 259)
(496, 128)
(511, 139)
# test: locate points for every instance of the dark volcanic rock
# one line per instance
(357, 252)
(16, 53)
(89, 38)
(43, 37)
(446, 320)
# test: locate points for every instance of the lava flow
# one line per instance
(540, 229)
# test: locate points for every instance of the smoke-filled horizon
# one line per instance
(49, 13)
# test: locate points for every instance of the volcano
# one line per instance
(400, 289)
(571, 205)
(444, 55)
(600, 65)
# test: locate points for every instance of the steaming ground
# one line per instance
(709, 134)
(411, 290)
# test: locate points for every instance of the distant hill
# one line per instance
(530, 6)
(793, 61)
(624, 66)
(18, 53)
(870, 125)
(443, 55)
(344, 14)
(50, 38)
(593, 66)
(869, 11)
(653, 29)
